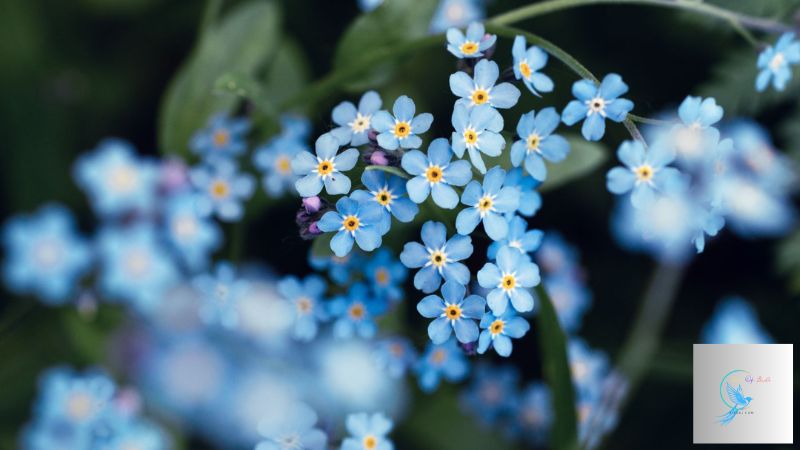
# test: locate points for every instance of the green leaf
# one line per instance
(789, 133)
(390, 170)
(789, 260)
(242, 42)
(583, 157)
(555, 366)
(321, 247)
(288, 74)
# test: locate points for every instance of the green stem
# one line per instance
(390, 169)
(210, 14)
(648, 120)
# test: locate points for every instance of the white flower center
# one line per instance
(777, 61)
(361, 123)
(184, 226)
(122, 179)
(597, 105)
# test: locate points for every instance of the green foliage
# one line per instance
(789, 133)
(789, 260)
(583, 158)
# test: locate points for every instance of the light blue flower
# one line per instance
(595, 104)
(395, 355)
(498, 330)
(353, 221)
(44, 254)
(473, 44)
(453, 312)
(645, 171)
(324, 169)
(223, 137)
(435, 174)
(340, 268)
(220, 292)
(355, 313)
(355, 124)
(477, 130)
(274, 160)
(487, 203)
(137, 435)
(537, 142)
(115, 180)
(534, 414)
(492, 393)
(194, 236)
(438, 258)
(223, 189)
(456, 13)
(441, 361)
(529, 199)
(77, 401)
(306, 297)
(386, 274)
(527, 65)
(518, 237)
(388, 192)
(481, 89)
(368, 431)
(735, 321)
(509, 279)
(775, 63)
(588, 367)
(570, 297)
(757, 153)
(557, 257)
(700, 112)
(369, 5)
(401, 128)
(293, 429)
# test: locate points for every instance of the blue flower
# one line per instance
(355, 124)
(518, 237)
(529, 200)
(487, 204)
(437, 258)
(534, 413)
(775, 63)
(595, 104)
(435, 174)
(537, 142)
(645, 171)
(499, 329)
(456, 13)
(115, 180)
(340, 268)
(556, 256)
(355, 313)
(395, 355)
(368, 432)
(192, 235)
(79, 401)
(223, 189)
(509, 279)
(137, 434)
(389, 192)
(306, 297)
(223, 137)
(353, 221)
(44, 254)
(700, 112)
(477, 130)
(441, 361)
(589, 368)
(400, 129)
(293, 429)
(570, 299)
(220, 291)
(472, 45)
(492, 393)
(386, 275)
(481, 90)
(274, 159)
(454, 312)
(527, 64)
(325, 168)
(735, 321)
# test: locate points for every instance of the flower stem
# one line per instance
(210, 14)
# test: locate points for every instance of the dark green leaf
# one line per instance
(321, 247)
(789, 260)
(583, 157)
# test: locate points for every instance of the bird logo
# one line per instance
(733, 398)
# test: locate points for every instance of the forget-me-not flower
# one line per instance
(492, 393)
(596, 103)
(498, 330)
(353, 221)
(456, 13)
(441, 361)
(452, 312)
(324, 169)
(488, 203)
(477, 130)
(509, 279)
(395, 355)
(438, 258)
(293, 430)
(306, 297)
(735, 321)
(775, 63)
(385, 274)
(274, 160)
(355, 123)
(435, 174)
(389, 192)
(340, 268)
(224, 137)
(529, 199)
(518, 237)
(223, 189)
(481, 89)
(368, 432)
(193, 235)
(78, 401)
(355, 313)
(645, 171)
(527, 65)
(220, 291)
(696, 134)
(471, 45)
(400, 129)
(537, 142)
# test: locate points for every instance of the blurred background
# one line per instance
(74, 72)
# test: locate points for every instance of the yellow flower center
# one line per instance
(644, 173)
(356, 311)
(434, 174)
(497, 326)
(370, 442)
(438, 356)
(325, 168)
(579, 370)
(508, 282)
(452, 312)
(533, 142)
(485, 204)
(123, 179)
(402, 129)
(777, 61)
(221, 138)
(350, 223)
(304, 305)
(470, 136)
(397, 349)
(480, 96)
(219, 189)
(283, 164)
(469, 48)
(525, 69)
(384, 197)
(360, 124)
(382, 276)
(438, 258)
(79, 406)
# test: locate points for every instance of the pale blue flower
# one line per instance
(353, 221)
(306, 297)
(78, 401)
(274, 160)
(340, 268)
(534, 414)
(401, 128)
(518, 237)
(355, 313)
(570, 298)
(498, 330)
(596, 103)
(588, 367)
(386, 274)
(529, 199)
(293, 429)
(471, 45)
(700, 112)
(775, 63)
(438, 258)
(367, 431)
(369, 5)
(492, 393)
(735, 321)
(324, 169)
(509, 279)
(441, 361)
(194, 236)
(355, 123)
(488, 203)
(481, 89)
(434, 174)
(456, 13)
(395, 355)
(645, 171)
(223, 189)
(220, 292)
(537, 142)
(527, 65)
(477, 130)
(452, 312)
(388, 192)
(223, 137)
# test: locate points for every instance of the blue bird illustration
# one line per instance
(739, 402)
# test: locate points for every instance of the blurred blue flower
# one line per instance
(340, 268)
(488, 203)
(385, 275)
(274, 160)
(481, 89)
(471, 45)
(395, 355)
(369, 5)
(355, 124)
(570, 299)
(368, 432)
(477, 130)
(735, 321)
(537, 142)
(498, 330)
(645, 172)
(306, 297)
(527, 65)
(355, 313)
(223, 189)
(596, 103)
(353, 221)
(518, 237)
(223, 137)
(529, 199)
(555, 256)
(492, 393)
(294, 429)
(700, 112)
(79, 400)
(137, 435)
(775, 63)
(44, 254)
(751, 210)
(220, 292)
(435, 175)
(388, 191)
(588, 367)
(324, 169)
(441, 361)
(401, 128)
(194, 236)
(452, 313)
(509, 279)
(456, 13)
(534, 414)
(438, 258)
(757, 156)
